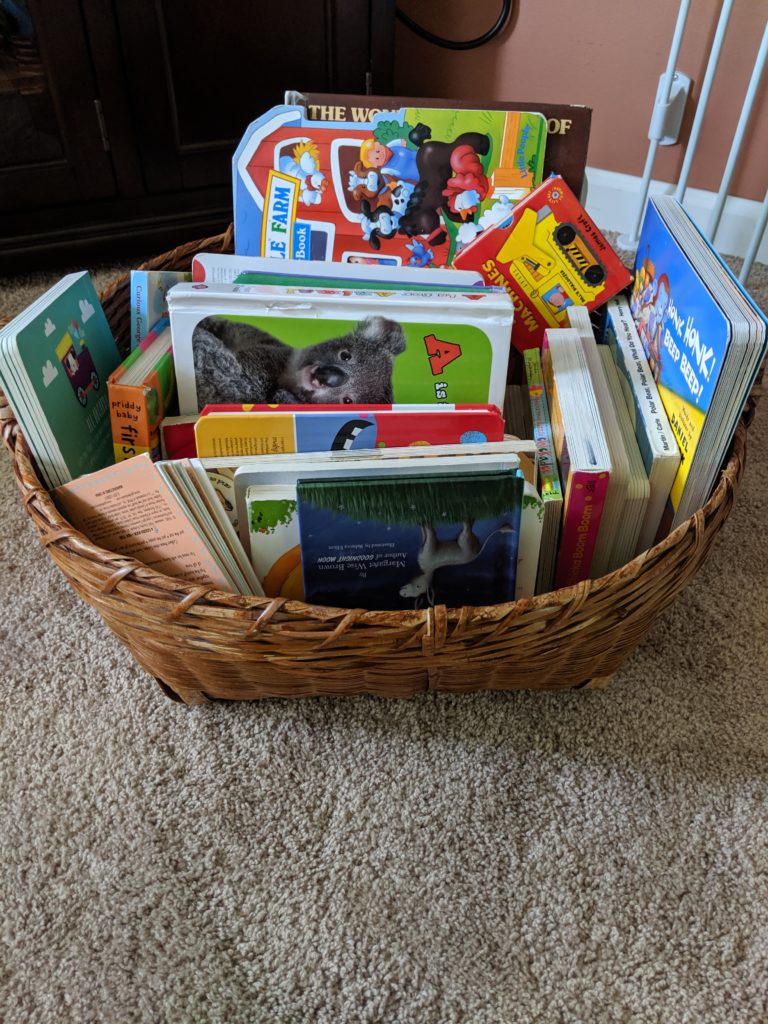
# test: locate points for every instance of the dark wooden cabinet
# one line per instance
(119, 120)
(51, 145)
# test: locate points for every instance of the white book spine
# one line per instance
(661, 455)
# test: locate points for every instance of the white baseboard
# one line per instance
(612, 201)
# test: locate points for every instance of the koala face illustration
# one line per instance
(238, 362)
(353, 369)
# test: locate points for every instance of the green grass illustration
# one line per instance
(415, 500)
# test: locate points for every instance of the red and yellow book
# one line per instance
(140, 391)
(549, 255)
(231, 430)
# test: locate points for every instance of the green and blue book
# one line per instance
(408, 541)
(55, 359)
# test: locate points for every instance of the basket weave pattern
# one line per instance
(202, 644)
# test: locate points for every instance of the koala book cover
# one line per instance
(408, 187)
(549, 255)
(398, 542)
(287, 346)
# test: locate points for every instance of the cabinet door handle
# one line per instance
(102, 125)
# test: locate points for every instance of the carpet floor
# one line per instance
(499, 858)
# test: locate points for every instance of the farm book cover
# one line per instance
(549, 255)
(405, 188)
(399, 542)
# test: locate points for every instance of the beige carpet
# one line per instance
(487, 859)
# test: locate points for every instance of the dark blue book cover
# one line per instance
(406, 541)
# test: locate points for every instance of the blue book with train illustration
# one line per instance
(409, 541)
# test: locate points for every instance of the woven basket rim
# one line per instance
(55, 530)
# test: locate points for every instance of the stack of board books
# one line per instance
(655, 440)
(395, 393)
(398, 528)
(628, 489)
(705, 340)
(141, 390)
(582, 452)
(55, 360)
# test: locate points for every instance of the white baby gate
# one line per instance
(665, 126)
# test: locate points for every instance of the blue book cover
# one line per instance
(685, 336)
(399, 542)
(149, 304)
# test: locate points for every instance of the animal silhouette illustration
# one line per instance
(434, 554)
(238, 362)
(439, 163)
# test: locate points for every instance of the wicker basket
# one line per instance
(203, 644)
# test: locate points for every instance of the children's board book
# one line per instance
(274, 432)
(287, 469)
(148, 299)
(582, 452)
(549, 255)
(55, 359)
(628, 490)
(656, 442)
(283, 345)
(221, 268)
(296, 280)
(272, 525)
(273, 529)
(407, 187)
(177, 437)
(140, 391)
(529, 546)
(548, 475)
(199, 491)
(136, 509)
(705, 340)
(568, 124)
(408, 541)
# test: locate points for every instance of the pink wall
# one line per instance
(607, 54)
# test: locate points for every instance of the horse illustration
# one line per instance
(434, 554)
